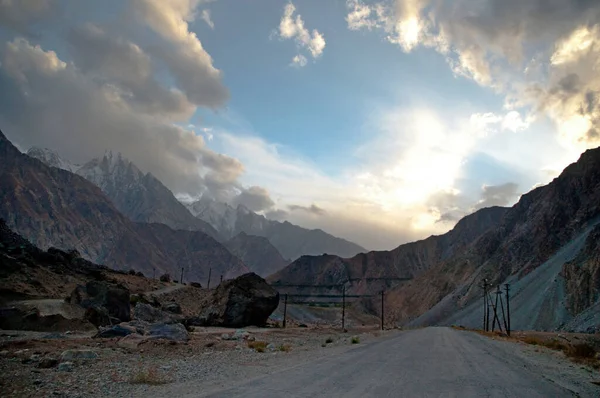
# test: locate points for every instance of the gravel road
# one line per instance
(432, 362)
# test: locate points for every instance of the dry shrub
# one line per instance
(582, 350)
(284, 348)
(355, 340)
(258, 346)
(150, 375)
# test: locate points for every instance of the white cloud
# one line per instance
(292, 26)
(493, 41)
(205, 15)
(299, 61)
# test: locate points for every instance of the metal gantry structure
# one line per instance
(327, 299)
(497, 306)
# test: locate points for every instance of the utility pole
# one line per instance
(153, 272)
(507, 286)
(499, 293)
(221, 279)
(285, 310)
(343, 307)
(209, 274)
(181, 279)
(495, 307)
(485, 305)
(382, 317)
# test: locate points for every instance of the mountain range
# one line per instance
(545, 247)
(143, 198)
(290, 240)
(54, 207)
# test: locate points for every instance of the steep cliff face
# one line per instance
(53, 207)
(257, 253)
(582, 275)
(531, 232)
(141, 197)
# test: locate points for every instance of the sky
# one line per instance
(381, 122)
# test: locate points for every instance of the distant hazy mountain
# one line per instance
(141, 197)
(54, 207)
(257, 253)
(290, 240)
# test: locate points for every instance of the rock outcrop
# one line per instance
(105, 304)
(243, 301)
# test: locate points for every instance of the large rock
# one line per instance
(243, 301)
(175, 332)
(105, 303)
(147, 313)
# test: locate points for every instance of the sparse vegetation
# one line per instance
(355, 340)
(258, 346)
(165, 278)
(329, 340)
(284, 348)
(150, 376)
(580, 351)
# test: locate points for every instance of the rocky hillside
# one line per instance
(290, 240)
(141, 197)
(257, 253)
(544, 229)
(368, 273)
(53, 207)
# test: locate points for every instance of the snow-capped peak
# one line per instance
(52, 159)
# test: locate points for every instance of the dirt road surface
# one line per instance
(432, 362)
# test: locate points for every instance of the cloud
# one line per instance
(498, 195)
(312, 209)
(299, 61)
(522, 48)
(255, 199)
(291, 27)
(123, 63)
(277, 215)
(51, 103)
(191, 66)
(18, 15)
(205, 15)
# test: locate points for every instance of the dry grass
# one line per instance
(284, 348)
(151, 376)
(258, 346)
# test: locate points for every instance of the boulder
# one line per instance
(147, 313)
(73, 355)
(172, 307)
(106, 303)
(120, 330)
(243, 301)
(175, 332)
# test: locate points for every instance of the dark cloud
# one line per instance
(254, 198)
(121, 62)
(49, 103)
(18, 15)
(312, 209)
(181, 50)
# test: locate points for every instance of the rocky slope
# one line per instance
(257, 253)
(141, 197)
(290, 240)
(533, 232)
(53, 207)
(368, 273)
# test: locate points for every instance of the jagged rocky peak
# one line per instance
(51, 158)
